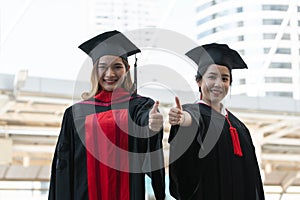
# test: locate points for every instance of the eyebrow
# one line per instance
(213, 73)
(104, 63)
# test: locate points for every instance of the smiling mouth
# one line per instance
(216, 92)
(110, 82)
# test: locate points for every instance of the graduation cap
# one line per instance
(214, 53)
(111, 43)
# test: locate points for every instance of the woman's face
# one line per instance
(214, 84)
(111, 71)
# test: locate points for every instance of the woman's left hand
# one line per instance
(155, 118)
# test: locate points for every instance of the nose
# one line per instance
(218, 82)
(109, 72)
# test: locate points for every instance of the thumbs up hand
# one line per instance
(175, 114)
(155, 118)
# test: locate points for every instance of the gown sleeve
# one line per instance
(157, 175)
(153, 161)
(184, 148)
(61, 180)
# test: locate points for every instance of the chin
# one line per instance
(109, 89)
(216, 100)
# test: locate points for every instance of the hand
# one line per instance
(176, 116)
(155, 118)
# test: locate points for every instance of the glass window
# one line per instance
(274, 65)
(278, 80)
(204, 34)
(204, 6)
(204, 20)
(242, 81)
(269, 36)
(286, 36)
(239, 9)
(266, 50)
(275, 7)
(241, 38)
(279, 94)
(283, 51)
(272, 21)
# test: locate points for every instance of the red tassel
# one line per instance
(235, 139)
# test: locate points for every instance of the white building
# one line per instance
(103, 15)
(266, 33)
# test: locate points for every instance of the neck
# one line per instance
(216, 106)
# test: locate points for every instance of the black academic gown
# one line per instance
(202, 163)
(101, 153)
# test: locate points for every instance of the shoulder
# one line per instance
(192, 108)
(81, 109)
(142, 99)
(235, 119)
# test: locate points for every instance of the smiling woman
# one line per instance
(220, 163)
(109, 141)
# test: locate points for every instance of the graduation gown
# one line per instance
(203, 165)
(102, 152)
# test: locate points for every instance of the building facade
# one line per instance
(266, 33)
(103, 15)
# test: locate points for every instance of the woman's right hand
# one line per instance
(179, 117)
(175, 114)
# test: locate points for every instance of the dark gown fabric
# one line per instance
(93, 156)
(204, 167)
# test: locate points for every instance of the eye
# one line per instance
(118, 66)
(101, 66)
(212, 77)
(225, 79)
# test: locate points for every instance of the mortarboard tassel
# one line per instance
(235, 139)
(135, 77)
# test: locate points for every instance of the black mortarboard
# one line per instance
(215, 53)
(109, 43)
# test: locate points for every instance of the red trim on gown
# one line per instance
(107, 153)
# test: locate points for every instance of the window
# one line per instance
(269, 36)
(266, 50)
(286, 36)
(242, 81)
(240, 23)
(279, 94)
(204, 6)
(272, 21)
(283, 51)
(275, 7)
(239, 9)
(280, 65)
(204, 20)
(204, 34)
(241, 38)
(278, 80)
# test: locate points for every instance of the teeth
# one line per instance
(216, 91)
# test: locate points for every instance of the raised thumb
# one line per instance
(155, 107)
(178, 104)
